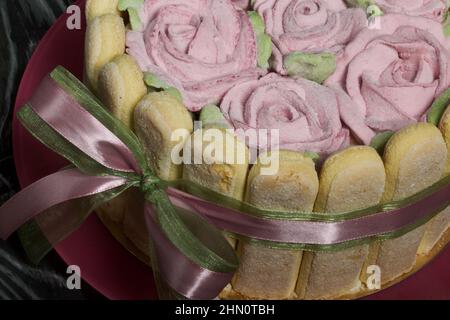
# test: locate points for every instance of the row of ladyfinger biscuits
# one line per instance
(352, 179)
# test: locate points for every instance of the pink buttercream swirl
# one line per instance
(309, 25)
(432, 9)
(305, 113)
(393, 75)
(201, 47)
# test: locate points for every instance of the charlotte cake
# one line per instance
(369, 83)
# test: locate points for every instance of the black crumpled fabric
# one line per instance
(22, 24)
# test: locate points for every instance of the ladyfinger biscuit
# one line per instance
(349, 180)
(434, 230)
(269, 273)
(210, 164)
(444, 125)
(157, 117)
(97, 8)
(439, 224)
(121, 87)
(224, 167)
(415, 158)
(163, 124)
(105, 39)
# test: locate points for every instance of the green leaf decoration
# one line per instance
(153, 81)
(380, 140)
(257, 22)
(155, 84)
(374, 11)
(446, 23)
(124, 5)
(175, 93)
(132, 6)
(359, 3)
(263, 40)
(313, 155)
(316, 67)
(438, 107)
(212, 117)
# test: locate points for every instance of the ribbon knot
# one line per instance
(149, 185)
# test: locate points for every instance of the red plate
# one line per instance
(104, 263)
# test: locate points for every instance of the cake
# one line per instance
(356, 94)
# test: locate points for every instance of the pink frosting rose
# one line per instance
(309, 25)
(433, 9)
(392, 74)
(305, 113)
(201, 47)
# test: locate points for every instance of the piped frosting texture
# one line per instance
(392, 74)
(201, 47)
(309, 25)
(432, 9)
(305, 113)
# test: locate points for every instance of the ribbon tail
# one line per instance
(51, 191)
(175, 268)
(41, 234)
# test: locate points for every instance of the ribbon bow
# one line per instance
(69, 119)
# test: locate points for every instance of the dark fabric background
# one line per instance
(22, 24)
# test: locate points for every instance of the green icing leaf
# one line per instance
(152, 81)
(132, 6)
(263, 40)
(155, 84)
(380, 140)
(446, 23)
(212, 117)
(313, 66)
(264, 43)
(124, 5)
(374, 11)
(313, 155)
(135, 20)
(370, 6)
(359, 3)
(257, 22)
(447, 29)
(438, 107)
(175, 93)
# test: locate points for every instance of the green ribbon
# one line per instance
(246, 208)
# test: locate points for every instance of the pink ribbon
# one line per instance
(311, 232)
(52, 190)
(69, 119)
